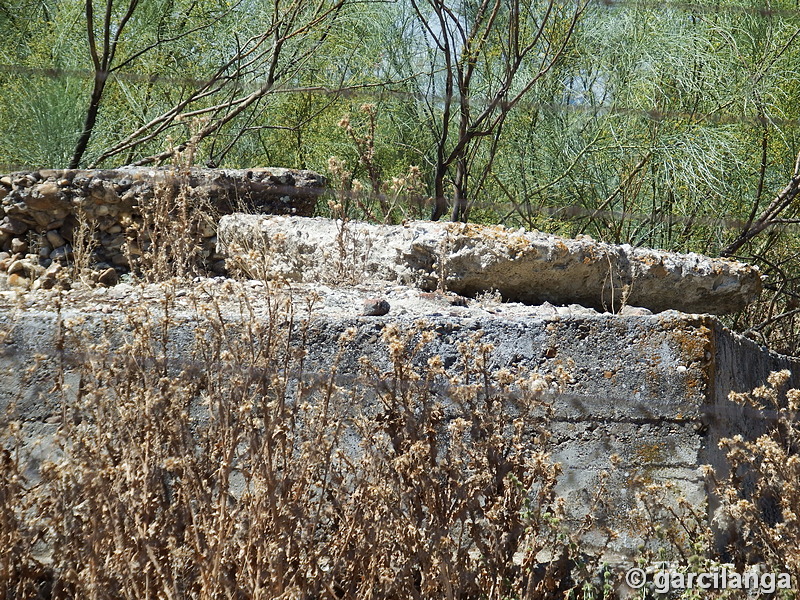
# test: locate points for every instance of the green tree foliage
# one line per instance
(671, 125)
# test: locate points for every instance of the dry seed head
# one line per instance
(436, 364)
(793, 396)
(778, 378)
(458, 426)
(427, 337)
(773, 453)
(764, 393)
(738, 398)
(536, 384)
(504, 376)
(348, 335)
(739, 510)
(397, 185)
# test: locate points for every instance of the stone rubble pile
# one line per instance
(42, 212)
(523, 266)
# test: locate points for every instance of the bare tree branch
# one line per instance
(462, 40)
(284, 27)
(770, 215)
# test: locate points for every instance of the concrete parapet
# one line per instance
(524, 266)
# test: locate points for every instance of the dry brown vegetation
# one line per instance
(233, 473)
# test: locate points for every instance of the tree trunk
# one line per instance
(460, 197)
(100, 79)
(440, 202)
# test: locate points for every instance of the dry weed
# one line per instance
(231, 468)
(761, 495)
(166, 239)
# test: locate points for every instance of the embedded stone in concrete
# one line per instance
(46, 211)
(524, 266)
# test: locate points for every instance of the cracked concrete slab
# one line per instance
(523, 266)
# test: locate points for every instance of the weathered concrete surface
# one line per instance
(651, 390)
(529, 267)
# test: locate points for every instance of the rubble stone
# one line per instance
(50, 206)
(375, 307)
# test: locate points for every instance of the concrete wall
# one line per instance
(651, 390)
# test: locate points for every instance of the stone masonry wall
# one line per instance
(42, 211)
